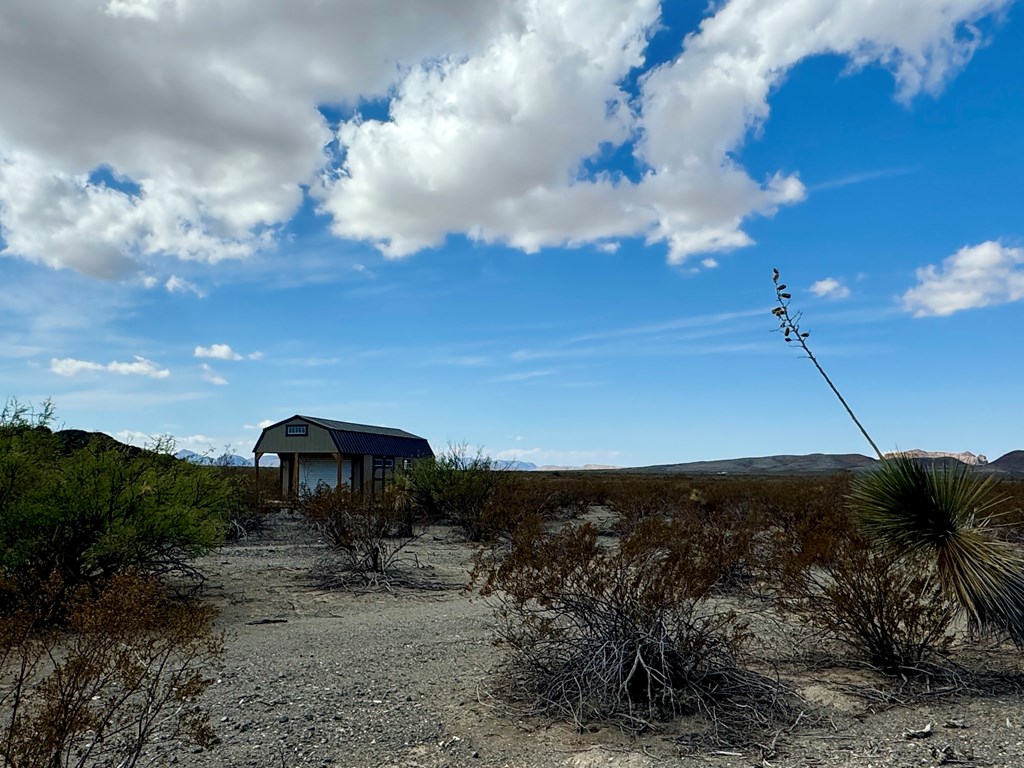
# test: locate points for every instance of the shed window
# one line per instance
(296, 430)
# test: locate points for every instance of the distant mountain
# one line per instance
(225, 460)
(515, 466)
(813, 463)
(1011, 462)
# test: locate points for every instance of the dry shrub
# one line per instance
(890, 612)
(808, 529)
(635, 500)
(573, 497)
(128, 664)
(623, 634)
(368, 533)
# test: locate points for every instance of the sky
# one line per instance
(541, 227)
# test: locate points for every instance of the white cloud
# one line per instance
(212, 376)
(177, 284)
(975, 276)
(608, 247)
(831, 288)
(69, 366)
(255, 356)
(261, 425)
(217, 352)
(709, 263)
(138, 130)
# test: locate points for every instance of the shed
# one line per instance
(314, 451)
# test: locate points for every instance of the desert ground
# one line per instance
(403, 676)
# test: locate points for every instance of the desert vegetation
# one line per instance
(630, 600)
(99, 646)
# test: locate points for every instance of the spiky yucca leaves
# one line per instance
(948, 513)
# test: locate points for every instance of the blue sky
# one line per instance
(546, 229)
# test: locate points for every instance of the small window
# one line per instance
(296, 430)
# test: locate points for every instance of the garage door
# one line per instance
(312, 472)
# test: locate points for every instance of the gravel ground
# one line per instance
(400, 678)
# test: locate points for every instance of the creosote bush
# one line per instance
(368, 533)
(129, 664)
(621, 633)
(85, 509)
(888, 611)
(478, 496)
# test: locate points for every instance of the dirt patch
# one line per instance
(400, 677)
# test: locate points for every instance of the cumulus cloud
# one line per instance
(217, 352)
(830, 288)
(69, 366)
(212, 376)
(975, 276)
(138, 130)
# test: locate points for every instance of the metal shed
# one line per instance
(314, 451)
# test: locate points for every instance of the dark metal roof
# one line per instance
(346, 426)
(380, 445)
(368, 439)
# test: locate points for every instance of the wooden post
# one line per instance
(257, 463)
(337, 458)
(295, 474)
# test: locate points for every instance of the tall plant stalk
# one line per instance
(789, 324)
(910, 509)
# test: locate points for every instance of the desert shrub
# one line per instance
(634, 500)
(808, 529)
(889, 612)
(130, 663)
(246, 512)
(573, 497)
(623, 634)
(86, 514)
(453, 486)
(367, 532)
(471, 492)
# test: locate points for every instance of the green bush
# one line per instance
(454, 486)
(85, 514)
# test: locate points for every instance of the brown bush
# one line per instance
(129, 662)
(890, 612)
(368, 533)
(621, 633)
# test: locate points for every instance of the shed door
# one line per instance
(312, 472)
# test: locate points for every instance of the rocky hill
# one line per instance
(966, 457)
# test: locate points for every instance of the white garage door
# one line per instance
(312, 472)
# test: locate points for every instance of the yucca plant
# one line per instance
(948, 513)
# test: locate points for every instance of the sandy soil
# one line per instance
(401, 678)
